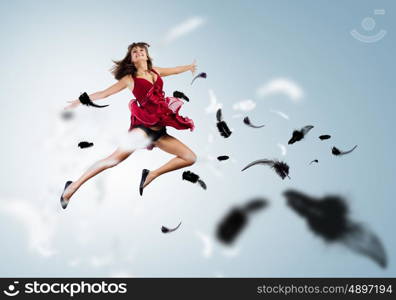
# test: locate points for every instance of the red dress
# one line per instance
(152, 108)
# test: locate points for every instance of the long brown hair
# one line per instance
(125, 66)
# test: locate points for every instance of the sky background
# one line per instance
(285, 64)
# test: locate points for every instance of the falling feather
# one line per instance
(338, 152)
(324, 137)
(194, 178)
(255, 204)
(202, 184)
(365, 242)
(223, 157)
(84, 99)
(180, 95)
(167, 230)
(298, 135)
(314, 161)
(219, 115)
(190, 176)
(231, 226)
(281, 168)
(200, 75)
(221, 125)
(85, 144)
(246, 120)
(328, 217)
(235, 221)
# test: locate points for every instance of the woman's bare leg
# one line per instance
(114, 159)
(101, 165)
(184, 157)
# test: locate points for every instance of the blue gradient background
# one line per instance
(52, 51)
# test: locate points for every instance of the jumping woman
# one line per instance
(151, 112)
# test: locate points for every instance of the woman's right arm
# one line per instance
(111, 90)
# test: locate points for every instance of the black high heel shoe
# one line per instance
(144, 176)
(63, 202)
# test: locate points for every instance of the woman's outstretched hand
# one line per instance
(193, 67)
(73, 104)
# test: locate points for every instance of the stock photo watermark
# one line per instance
(71, 289)
(368, 24)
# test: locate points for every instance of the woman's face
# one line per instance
(138, 53)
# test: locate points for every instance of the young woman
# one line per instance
(151, 112)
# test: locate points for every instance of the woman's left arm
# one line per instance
(176, 70)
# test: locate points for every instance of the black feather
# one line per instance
(231, 225)
(190, 176)
(298, 135)
(324, 137)
(219, 115)
(223, 129)
(194, 178)
(167, 230)
(306, 129)
(281, 168)
(315, 160)
(180, 95)
(335, 151)
(338, 152)
(202, 184)
(84, 99)
(246, 120)
(200, 75)
(85, 144)
(221, 125)
(223, 157)
(328, 217)
(259, 161)
(235, 221)
(255, 205)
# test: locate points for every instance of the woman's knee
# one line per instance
(190, 158)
